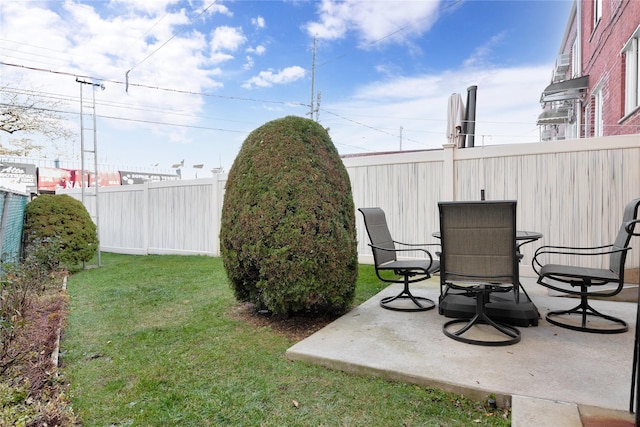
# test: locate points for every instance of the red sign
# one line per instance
(51, 179)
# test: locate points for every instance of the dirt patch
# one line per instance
(39, 337)
(296, 328)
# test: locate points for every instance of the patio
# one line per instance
(553, 377)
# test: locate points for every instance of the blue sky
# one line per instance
(204, 74)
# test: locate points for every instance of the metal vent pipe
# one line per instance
(469, 127)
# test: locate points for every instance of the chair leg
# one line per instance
(481, 317)
(422, 303)
(584, 309)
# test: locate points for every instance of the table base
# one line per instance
(501, 308)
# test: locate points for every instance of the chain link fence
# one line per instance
(12, 206)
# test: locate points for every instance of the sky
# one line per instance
(185, 82)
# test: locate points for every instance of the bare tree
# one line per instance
(27, 111)
(23, 147)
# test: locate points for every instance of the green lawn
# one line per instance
(152, 341)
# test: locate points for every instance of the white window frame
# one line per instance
(631, 52)
(598, 122)
(575, 59)
(597, 12)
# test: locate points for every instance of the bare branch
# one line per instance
(24, 111)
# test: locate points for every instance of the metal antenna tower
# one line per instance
(317, 110)
(313, 79)
(89, 149)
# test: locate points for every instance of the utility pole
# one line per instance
(400, 138)
(313, 78)
(90, 149)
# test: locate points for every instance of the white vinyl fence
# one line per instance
(168, 217)
(573, 192)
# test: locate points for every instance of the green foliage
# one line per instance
(62, 224)
(288, 238)
(30, 395)
(14, 409)
(157, 341)
(19, 282)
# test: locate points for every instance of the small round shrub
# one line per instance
(63, 225)
(288, 237)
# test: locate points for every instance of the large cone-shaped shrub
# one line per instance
(288, 238)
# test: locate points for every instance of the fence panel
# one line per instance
(181, 218)
(12, 206)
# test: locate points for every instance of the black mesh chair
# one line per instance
(584, 281)
(479, 257)
(388, 267)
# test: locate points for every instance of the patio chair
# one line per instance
(635, 396)
(385, 257)
(583, 281)
(479, 257)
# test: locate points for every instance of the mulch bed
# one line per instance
(296, 327)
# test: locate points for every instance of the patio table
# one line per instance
(522, 237)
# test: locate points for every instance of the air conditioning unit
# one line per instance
(563, 62)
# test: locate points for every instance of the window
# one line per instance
(597, 12)
(632, 75)
(598, 123)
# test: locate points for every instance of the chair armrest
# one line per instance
(629, 226)
(570, 249)
(576, 251)
(405, 250)
(416, 244)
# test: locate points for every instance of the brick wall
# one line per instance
(605, 65)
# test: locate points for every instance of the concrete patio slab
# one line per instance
(549, 364)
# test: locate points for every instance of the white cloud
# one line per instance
(249, 63)
(152, 7)
(159, 7)
(258, 22)
(481, 54)
(227, 38)
(373, 21)
(258, 50)
(269, 78)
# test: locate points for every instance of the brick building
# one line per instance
(595, 85)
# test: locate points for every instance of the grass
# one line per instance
(154, 341)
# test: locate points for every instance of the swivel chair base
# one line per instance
(511, 332)
(585, 311)
(422, 303)
(482, 293)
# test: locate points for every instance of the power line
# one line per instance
(103, 116)
(172, 37)
(114, 105)
(162, 45)
(182, 91)
(372, 127)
